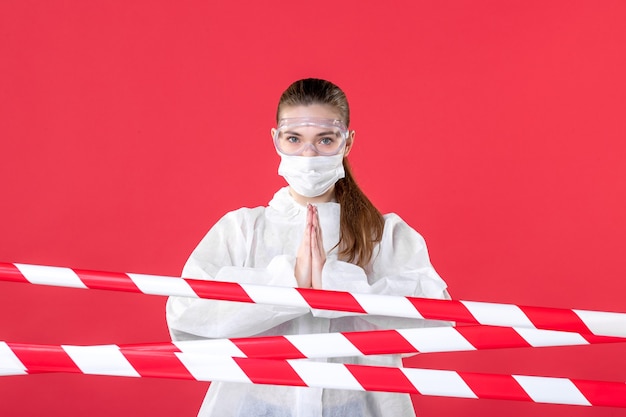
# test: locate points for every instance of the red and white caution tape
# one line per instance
(378, 342)
(111, 360)
(598, 323)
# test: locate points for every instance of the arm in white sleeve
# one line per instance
(221, 256)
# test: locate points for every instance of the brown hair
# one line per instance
(361, 224)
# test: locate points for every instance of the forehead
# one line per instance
(320, 111)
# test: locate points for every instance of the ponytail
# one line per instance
(361, 224)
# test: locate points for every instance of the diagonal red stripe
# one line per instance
(555, 319)
(487, 337)
(156, 364)
(9, 272)
(99, 280)
(380, 342)
(610, 394)
(450, 310)
(331, 300)
(503, 387)
(44, 358)
(267, 371)
(216, 290)
(277, 347)
(374, 378)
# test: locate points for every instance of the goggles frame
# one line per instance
(295, 122)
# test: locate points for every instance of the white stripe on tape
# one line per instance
(325, 375)
(434, 339)
(263, 294)
(101, 360)
(604, 323)
(438, 382)
(11, 372)
(495, 314)
(539, 338)
(210, 347)
(551, 390)
(50, 275)
(158, 285)
(387, 305)
(320, 345)
(9, 362)
(213, 368)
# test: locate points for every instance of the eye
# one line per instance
(293, 139)
(327, 141)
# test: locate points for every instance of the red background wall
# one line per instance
(128, 128)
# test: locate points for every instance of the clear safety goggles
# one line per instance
(324, 136)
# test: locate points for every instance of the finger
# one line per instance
(317, 247)
(309, 214)
(318, 229)
(314, 241)
(318, 259)
(318, 226)
(308, 225)
(303, 261)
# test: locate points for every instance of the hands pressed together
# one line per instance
(311, 255)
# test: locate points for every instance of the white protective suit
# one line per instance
(259, 246)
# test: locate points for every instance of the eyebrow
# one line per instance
(292, 133)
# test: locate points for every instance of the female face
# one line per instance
(318, 131)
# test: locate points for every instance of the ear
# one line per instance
(273, 132)
(349, 143)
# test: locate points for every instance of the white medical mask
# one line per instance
(311, 176)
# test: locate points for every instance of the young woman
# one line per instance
(321, 231)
